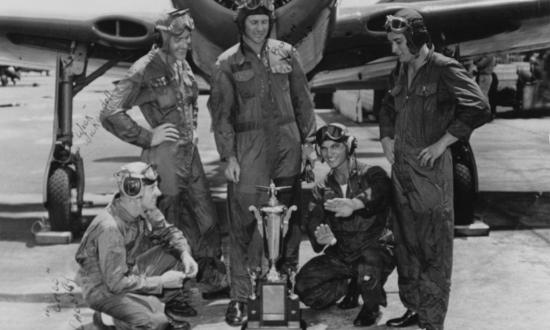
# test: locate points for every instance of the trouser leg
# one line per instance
(245, 244)
(322, 281)
(435, 277)
(291, 248)
(406, 249)
(137, 311)
(373, 269)
(134, 311)
(192, 210)
(424, 232)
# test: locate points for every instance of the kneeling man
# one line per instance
(132, 261)
(347, 220)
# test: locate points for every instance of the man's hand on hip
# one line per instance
(163, 133)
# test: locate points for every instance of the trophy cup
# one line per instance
(272, 304)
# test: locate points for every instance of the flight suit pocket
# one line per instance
(245, 83)
(426, 90)
(164, 91)
(399, 100)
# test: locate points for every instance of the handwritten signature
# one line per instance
(86, 129)
(63, 295)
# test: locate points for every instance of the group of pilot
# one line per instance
(161, 228)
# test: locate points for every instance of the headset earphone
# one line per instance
(349, 141)
(419, 35)
(131, 184)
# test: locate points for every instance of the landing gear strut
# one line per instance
(63, 192)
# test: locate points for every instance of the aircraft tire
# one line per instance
(323, 100)
(59, 199)
(464, 194)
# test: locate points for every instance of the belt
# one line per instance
(254, 125)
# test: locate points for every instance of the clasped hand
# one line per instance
(342, 207)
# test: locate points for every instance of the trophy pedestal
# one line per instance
(273, 309)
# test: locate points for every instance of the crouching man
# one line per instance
(132, 262)
(347, 220)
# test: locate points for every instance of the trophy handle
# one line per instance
(259, 219)
(286, 218)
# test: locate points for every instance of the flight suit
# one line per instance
(121, 259)
(441, 98)
(168, 94)
(262, 113)
(362, 248)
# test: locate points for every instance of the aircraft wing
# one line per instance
(357, 55)
(343, 39)
(33, 34)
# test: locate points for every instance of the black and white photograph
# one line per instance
(275, 164)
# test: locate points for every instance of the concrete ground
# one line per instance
(500, 282)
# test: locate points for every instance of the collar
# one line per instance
(121, 212)
(245, 48)
(354, 171)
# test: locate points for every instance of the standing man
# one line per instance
(432, 103)
(347, 220)
(162, 84)
(263, 122)
(132, 261)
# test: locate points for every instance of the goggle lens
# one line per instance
(396, 24)
(181, 21)
(255, 4)
(330, 132)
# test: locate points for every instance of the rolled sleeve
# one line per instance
(472, 108)
(113, 115)
(220, 104)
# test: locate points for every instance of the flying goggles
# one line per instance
(133, 177)
(255, 4)
(176, 22)
(331, 132)
(396, 24)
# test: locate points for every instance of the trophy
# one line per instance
(272, 303)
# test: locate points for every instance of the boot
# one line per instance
(408, 319)
(351, 300)
(179, 311)
(366, 317)
(237, 313)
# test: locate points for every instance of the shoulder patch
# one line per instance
(280, 56)
(139, 66)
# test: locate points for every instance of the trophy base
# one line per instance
(273, 308)
(303, 326)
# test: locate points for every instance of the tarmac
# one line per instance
(499, 282)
